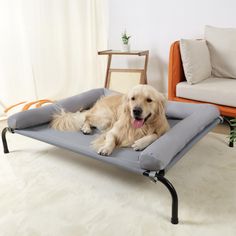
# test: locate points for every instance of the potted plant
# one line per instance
(232, 137)
(125, 39)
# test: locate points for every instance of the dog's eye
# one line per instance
(149, 100)
(133, 98)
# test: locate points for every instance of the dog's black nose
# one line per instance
(137, 111)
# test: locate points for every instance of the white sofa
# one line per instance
(205, 70)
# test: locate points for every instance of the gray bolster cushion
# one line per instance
(42, 115)
(195, 118)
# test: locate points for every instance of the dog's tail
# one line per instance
(68, 121)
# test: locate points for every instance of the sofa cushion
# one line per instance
(216, 90)
(222, 47)
(196, 60)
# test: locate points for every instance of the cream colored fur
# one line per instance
(68, 121)
(113, 115)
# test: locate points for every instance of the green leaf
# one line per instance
(125, 37)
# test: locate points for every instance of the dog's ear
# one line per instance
(161, 104)
(125, 103)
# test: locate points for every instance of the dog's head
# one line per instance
(144, 104)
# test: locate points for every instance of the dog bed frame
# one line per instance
(188, 122)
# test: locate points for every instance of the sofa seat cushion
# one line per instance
(215, 90)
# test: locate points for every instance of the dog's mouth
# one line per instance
(139, 122)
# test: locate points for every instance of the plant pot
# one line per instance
(126, 47)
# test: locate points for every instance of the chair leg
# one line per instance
(227, 120)
(160, 177)
(4, 140)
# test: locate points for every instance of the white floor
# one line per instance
(45, 190)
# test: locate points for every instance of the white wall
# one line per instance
(155, 24)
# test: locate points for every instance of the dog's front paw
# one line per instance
(138, 145)
(104, 151)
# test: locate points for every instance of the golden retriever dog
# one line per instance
(132, 120)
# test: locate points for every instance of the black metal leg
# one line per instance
(154, 176)
(166, 182)
(4, 140)
(227, 120)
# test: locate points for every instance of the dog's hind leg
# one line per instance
(86, 127)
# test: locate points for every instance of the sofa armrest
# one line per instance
(42, 115)
(195, 118)
(175, 70)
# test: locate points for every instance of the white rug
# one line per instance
(45, 190)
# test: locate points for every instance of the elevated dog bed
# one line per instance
(189, 123)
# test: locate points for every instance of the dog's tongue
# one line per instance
(138, 123)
